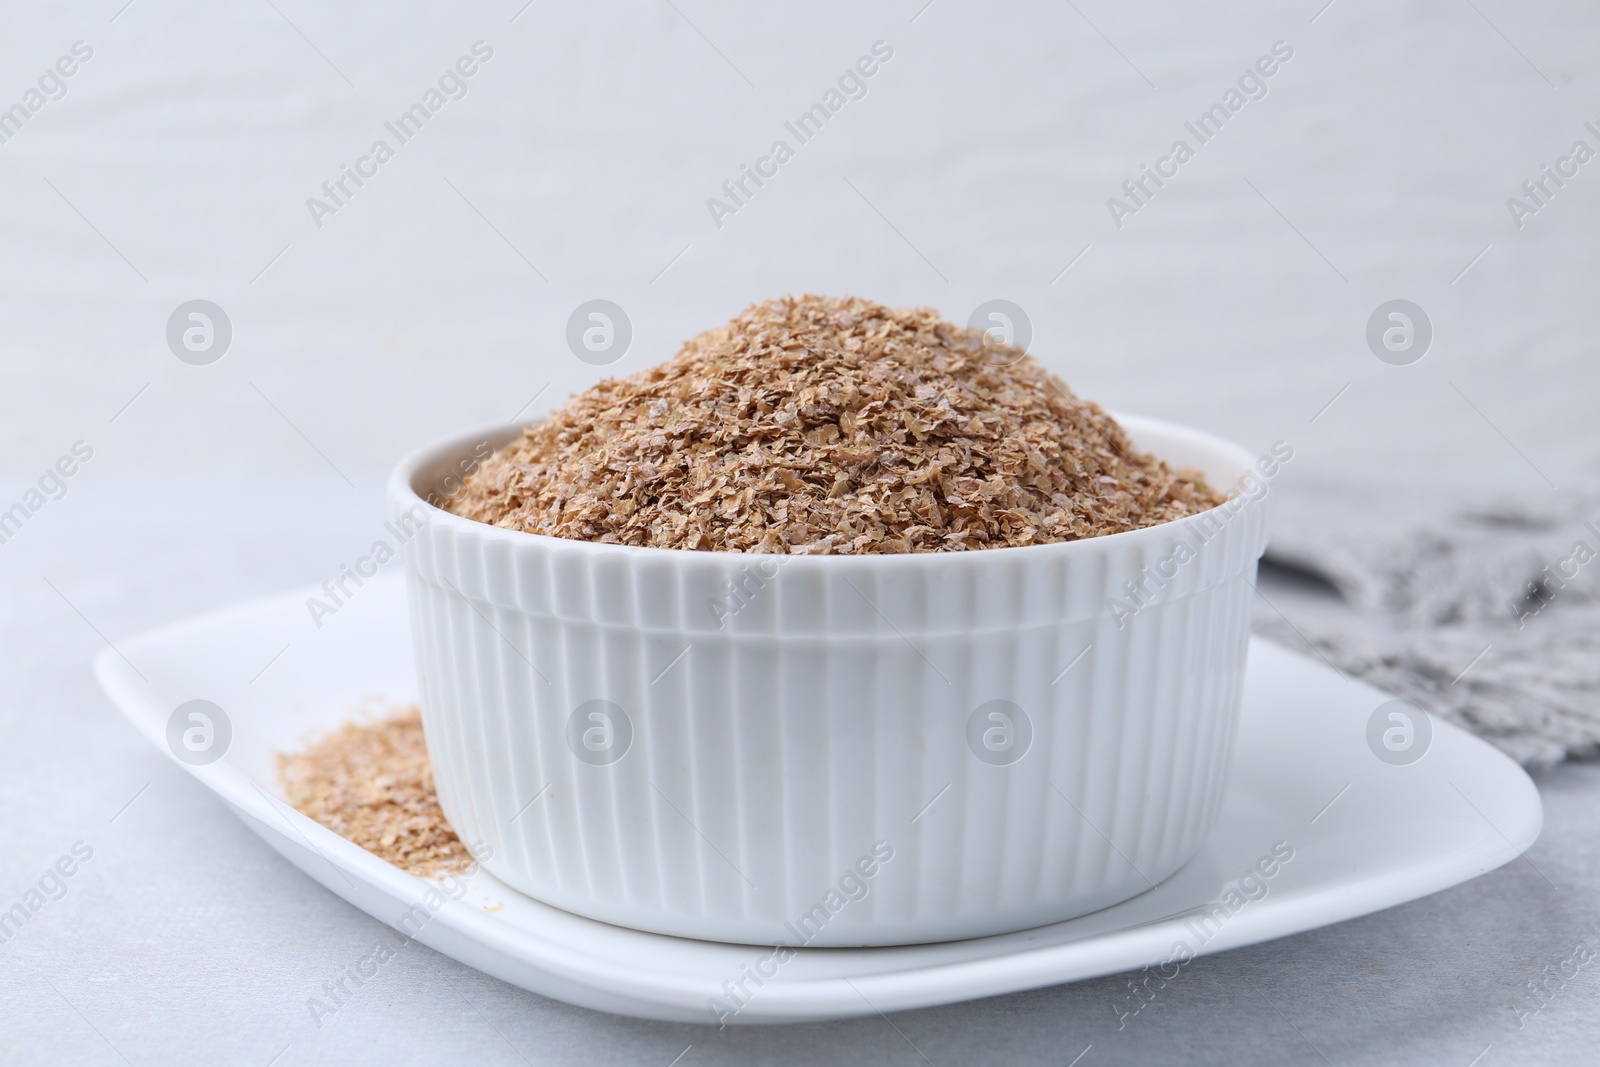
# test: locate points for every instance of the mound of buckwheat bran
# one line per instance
(830, 425)
(371, 784)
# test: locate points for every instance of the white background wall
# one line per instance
(991, 141)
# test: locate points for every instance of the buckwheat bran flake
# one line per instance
(830, 425)
(371, 784)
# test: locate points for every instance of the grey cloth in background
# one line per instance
(1483, 613)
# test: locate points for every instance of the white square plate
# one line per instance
(1365, 834)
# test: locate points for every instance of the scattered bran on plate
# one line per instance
(371, 783)
(830, 425)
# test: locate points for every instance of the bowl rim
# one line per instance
(403, 497)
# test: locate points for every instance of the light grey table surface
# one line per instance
(178, 164)
(185, 939)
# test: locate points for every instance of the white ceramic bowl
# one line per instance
(832, 750)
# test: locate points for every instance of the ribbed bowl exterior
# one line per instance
(802, 750)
